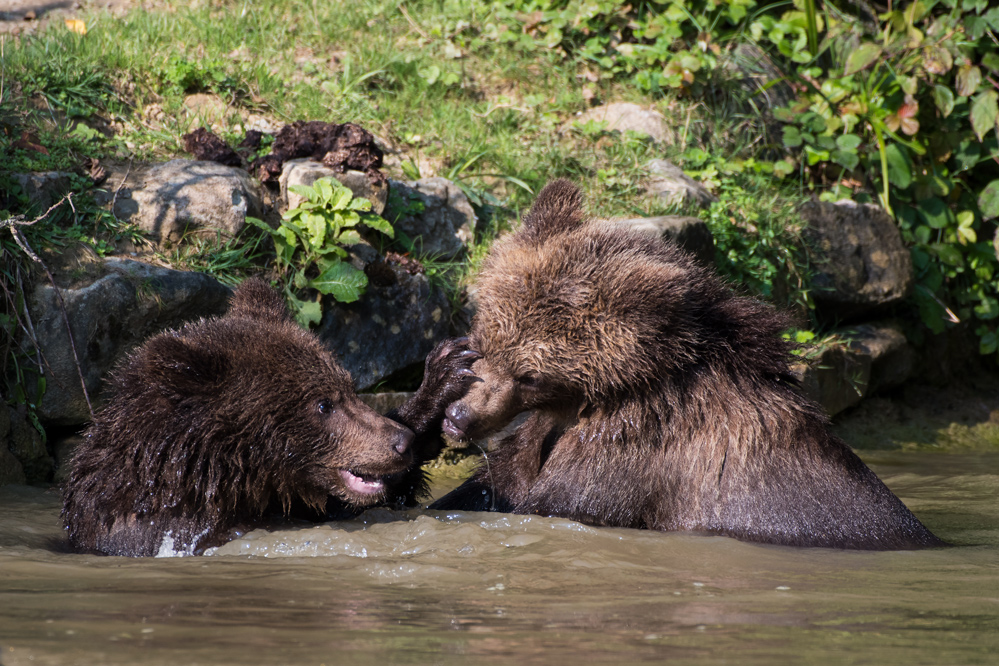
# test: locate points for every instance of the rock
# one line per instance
(861, 263)
(690, 233)
(893, 359)
(668, 182)
(307, 172)
(11, 470)
(837, 378)
(628, 117)
(435, 214)
(174, 198)
(383, 403)
(108, 316)
(26, 445)
(44, 188)
(871, 357)
(390, 329)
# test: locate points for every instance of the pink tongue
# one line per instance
(359, 485)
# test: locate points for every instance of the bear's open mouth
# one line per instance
(362, 484)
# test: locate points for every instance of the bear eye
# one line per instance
(325, 407)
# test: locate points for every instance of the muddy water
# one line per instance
(488, 588)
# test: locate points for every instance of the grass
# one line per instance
(425, 77)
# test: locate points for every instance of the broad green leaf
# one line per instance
(288, 234)
(846, 159)
(988, 308)
(984, 112)
(988, 200)
(326, 190)
(341, 197)
(966, 235)
(991, 60)
(988, 343)
(347, 219)
(967, 154)
(348, 237)
(944, 99)
(307, 313)
(899, 167)
(992, 16)
(792, 137)
(303, 190)
(260, 224)
(379, 223)
(848, 142)
(923, 234)
(284, 251)
(935, 213)
(865, 55)
(948, 254)
(360, 204)
(937, 60)
(816, 156)
(316, 226)
(930, 310)
(968, 79)
(344, 282)
(783, 168)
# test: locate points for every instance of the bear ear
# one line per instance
(558, 208)
(179, 366)
(255, 298)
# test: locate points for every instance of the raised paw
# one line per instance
(448, 372)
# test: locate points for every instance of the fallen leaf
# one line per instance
(77, 26)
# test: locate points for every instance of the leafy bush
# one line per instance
(902, 107)
(310, 243)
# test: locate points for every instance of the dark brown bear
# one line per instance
(657, 398)
(209, 425)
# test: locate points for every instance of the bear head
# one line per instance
(574, 314)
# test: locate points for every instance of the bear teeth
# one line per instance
(362, 484)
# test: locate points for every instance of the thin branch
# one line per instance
(18, 221)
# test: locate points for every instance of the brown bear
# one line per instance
(657, 398)
(209, 425)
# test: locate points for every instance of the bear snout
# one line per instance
(402, 442)
(457, 418)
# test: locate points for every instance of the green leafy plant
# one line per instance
(905, 106)
(310, 245)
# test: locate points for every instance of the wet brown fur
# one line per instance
(209, 425)
(658, 398)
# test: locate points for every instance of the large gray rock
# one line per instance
(391, 328)
(435, 214)
(628, 117)
(307, 172)
(174, 198)
(669, 183)
(893, 359)
(860, 260)
(836, 379)
(690, 233)
(869, 358)
(115, 312)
